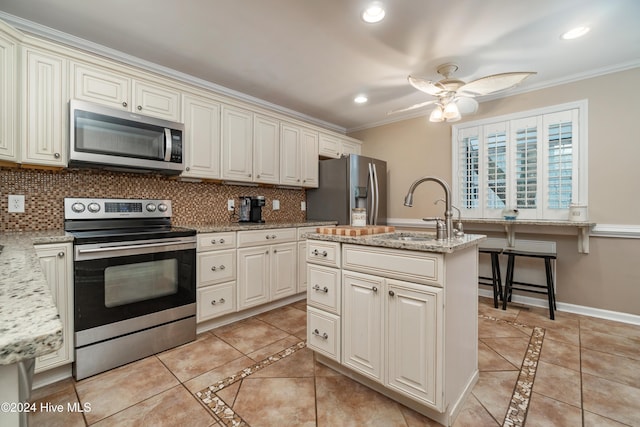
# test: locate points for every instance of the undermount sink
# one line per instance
(402, 237)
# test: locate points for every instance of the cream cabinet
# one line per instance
(8, 96)
(302, 256)
(299, 156)
(118, 90)
(56, 261)
(267, 265)
(44, 112)
(266, 150)
(329, 145)
(215, 275)
(202, 137)
(350, 146)
(309, 158)
(237, 144)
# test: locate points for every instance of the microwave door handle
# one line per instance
(167, 144)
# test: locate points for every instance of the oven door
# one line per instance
(122, 287)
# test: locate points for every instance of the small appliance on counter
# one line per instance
(251, 208)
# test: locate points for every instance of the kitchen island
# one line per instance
(29, 322)
(398, 313)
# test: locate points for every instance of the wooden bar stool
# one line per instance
(495, 281)
(511, 284)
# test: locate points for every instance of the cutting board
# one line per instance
(346, 230)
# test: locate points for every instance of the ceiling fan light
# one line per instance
(373, 13)
(451, 111)
(574, 33)
(436, 115)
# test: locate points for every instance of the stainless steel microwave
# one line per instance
(109, 138)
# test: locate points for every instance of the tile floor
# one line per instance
(586, 374)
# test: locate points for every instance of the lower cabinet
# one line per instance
(215, 275)
(56, 261)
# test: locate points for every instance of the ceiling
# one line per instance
(315, 56)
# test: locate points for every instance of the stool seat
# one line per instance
(511, 284)
(495, 281)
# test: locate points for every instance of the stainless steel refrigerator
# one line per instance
(350, 182)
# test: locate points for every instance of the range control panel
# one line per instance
(84, 208)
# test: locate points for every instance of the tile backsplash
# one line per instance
(193, 203)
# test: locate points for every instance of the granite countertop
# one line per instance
(385, 241)
(29, 321)
(235, 226)
(559, 222)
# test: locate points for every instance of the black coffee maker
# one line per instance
(251, 208)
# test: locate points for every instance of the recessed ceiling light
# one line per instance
(574, 33)
(373, 13)
(360, 99)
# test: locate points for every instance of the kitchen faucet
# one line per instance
(448, 215)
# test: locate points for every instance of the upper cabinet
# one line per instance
(44, 113)
(334, 147)
(299, 156)
(309, 158)
(8, 96)
(104, 86)
(237, 144)
(202, 137)
(266, 150)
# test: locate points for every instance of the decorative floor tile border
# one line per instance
(516, 413)
(223, 411)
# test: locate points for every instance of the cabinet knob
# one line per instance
(124, 103)
(213, 268)
(56, 155)
(222, 267)
(267, 252)
(187, 168)
(221, 240)
(213, 241)
(374, 289)
(273, 236)
(258, 176)
(324, 335)
(221, 301)
(297, 180)
(391, 293)
(275, 251)
(249, 175)
(60, 254)
(139, 107)
(304, 180)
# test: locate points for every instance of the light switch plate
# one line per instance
(303, 206)
(16, 203)
(231, 205)
(276, 205)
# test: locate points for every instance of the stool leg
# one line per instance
(498, 276)
(494, 279)
(550, 294)
(508, 282)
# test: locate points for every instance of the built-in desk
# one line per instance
(534, 226)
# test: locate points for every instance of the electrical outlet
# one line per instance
(276, 205)
(231, 205)
(16, 203)
(303, 206)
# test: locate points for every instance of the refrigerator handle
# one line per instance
(376, 190)
(371, 212)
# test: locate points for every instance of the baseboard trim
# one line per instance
(600, 313)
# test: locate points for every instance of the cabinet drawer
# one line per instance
(266, 237)
(214, 301)
(323, 333)
(216, 267)
(214, 241)
(412, 266)
(323, 288)
(325, 253)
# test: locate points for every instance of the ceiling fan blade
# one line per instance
(493, 83)
(466, 105)
(426, 86)
(413, 107)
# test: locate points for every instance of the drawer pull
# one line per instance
(273, 236)
(317, 288)
(324, 335)
(213, 241)
(267, 237)
(213, 268)
(222, 267)
(213, 302)
(221, 240)
(316, 253)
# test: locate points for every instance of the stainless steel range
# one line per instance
(134, 281)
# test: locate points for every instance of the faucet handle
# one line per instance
(441, 228)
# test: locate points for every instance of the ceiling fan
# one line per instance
(455, 97)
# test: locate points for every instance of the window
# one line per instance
(535, 162)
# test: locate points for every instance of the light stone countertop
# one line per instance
(29, 321)
(384, 241)
(235, 226)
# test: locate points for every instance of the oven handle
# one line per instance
(125, 247)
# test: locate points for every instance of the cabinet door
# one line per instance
(414, 341)
(290, 170)
(302, 270)
(155, 100)
(309, 158)
(237, 144)
(8, 100)
(349, 147)
(202, 136)
(57, 264)
(253, 276)
(329, 146)
(284, 279)
(362, 319)
(44, 122)
(266, 150)
(101, 86)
